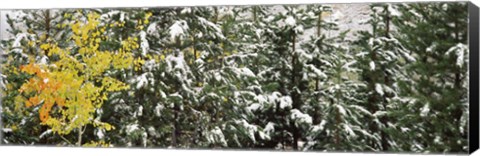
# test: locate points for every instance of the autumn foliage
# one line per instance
(70, 89)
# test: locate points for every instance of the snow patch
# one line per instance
(43, 60)
(445, 6)
(341, 110)
(393, 11)
(379, 113)
(263, 136)
(300, 117)
(347, 65)
(18, 39)
(408, 57)
(425, 110)
(362, 54)
(131, 128)
(158, 109)
(45, 133)
(23, 121)
(269, 128)
(141, 81)
(317, 71)
(349, 130)
(337, 15)
(460, 51)
(144, 139)
(319, 127)
(250, 128)
(290, 21)
(299, 29)
(122, 16)
(254, 107)
(178, 29)
(152, 131)
(437, 140)
(152, 28)
(285, 102)
(100, 133)
(7, 130)
(144, 43)
(414, 13)
(216, 135)
(140, 111)
(269, 19)
(227, 11)
(245, 71)
(379, 89)
(178, 63)
(186, 11)
(45, 80)
(218, 31)
(258, 32)
(372, 65)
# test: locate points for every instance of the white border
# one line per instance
(35, 4)
(52, 151)
(75, 151)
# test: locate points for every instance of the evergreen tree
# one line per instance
(284, 74)
(382, 61)
(270, 77)
(337, 115)
(436, 35)
(131, 111)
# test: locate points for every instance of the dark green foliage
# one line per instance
(254, 78)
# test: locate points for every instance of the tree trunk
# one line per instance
(254, 14)
(384, 119)
(317, 113)
(175, 127)
(79, 143)
(47, 24)
(47, 28)
(294, 94)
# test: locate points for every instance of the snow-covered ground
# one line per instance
(3, 24)
(350, 16)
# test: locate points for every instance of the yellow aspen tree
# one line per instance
(28, 29)
(70, 89)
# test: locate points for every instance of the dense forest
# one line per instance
(238, 77)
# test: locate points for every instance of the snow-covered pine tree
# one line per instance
(130, 111)
(247, 127)
(177, 38)
(284, 72)
(232, 81)
(382, 60)
(198, 37)
(436, 35)
(255, 77)
(166, 83)
(333, 103)
(204, 43)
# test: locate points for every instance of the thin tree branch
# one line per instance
(84, 129)
(64, 139)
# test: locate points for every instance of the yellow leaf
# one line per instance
(77, 86)
(108, 127)
(162, 57)
(44, 46)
